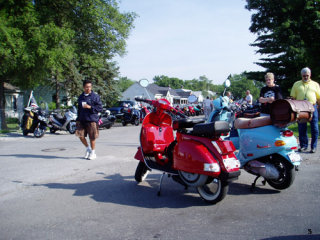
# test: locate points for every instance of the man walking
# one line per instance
(89, 105)
(306, 89)
(207, 107)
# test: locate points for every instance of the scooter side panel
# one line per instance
(258, 142)
(190, 156)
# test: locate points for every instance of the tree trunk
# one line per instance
(57, 93)
(3, 124)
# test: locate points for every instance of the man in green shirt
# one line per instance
(307, 89)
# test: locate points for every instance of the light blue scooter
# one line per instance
(265, 150)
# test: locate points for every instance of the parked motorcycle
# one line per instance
(194, 158)
(65, 123)
(265, 150)
(106, 120)
(130, 115)
(192, 112)
(34, 120)
(144, 111)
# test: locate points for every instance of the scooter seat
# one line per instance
(213, 129)
(243, 123)
(186, 123)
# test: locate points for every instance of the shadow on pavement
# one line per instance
(124, 190)
(295, 237)
(245, 189)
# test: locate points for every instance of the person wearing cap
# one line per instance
(307, 89)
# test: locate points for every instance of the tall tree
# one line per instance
(240, 84)
(98, 31)
(288, 37)
(19, 44)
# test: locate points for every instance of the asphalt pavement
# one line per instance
(48, 191)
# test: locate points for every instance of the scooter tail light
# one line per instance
(225, 146)
(215, 144)
(287, 133)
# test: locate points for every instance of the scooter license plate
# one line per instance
(294, 157)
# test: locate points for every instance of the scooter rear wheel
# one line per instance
(287, 175)
(214, 191)
(141, 172)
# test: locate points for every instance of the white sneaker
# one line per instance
(88, 152)
(92, 156)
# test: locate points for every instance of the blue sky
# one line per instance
(187, 39)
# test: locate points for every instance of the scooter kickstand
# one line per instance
(253, 185)
(161, 179)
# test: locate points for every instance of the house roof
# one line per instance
(10, 88)
(155, 89)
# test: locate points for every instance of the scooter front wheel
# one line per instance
(214, 191)
(72, 127)
(39, 132)
(141, 172)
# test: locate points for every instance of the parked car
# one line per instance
(116, 110)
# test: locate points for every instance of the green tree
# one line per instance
(240, 84)
(288, 38)
(124, 83)
(19, 45)
(98, 31)
(165, 81)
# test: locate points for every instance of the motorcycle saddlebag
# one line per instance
(286, 111)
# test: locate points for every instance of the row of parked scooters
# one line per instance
(208, 156)
(36, 120)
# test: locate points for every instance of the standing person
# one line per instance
(307, 89)
(89, 105)
(269, 93)
(207, 107)
(248, 97)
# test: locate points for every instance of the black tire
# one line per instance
(287, 174)
(136, 121)
(124, 123)
(52, 130)
(214, 191)
(72, 127)
(108, 126)
(39, 132)
(141, 172)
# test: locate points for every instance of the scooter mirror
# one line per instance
(192, 99)
(144, 82)
(227, 83)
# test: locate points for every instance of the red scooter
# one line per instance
(196, 158)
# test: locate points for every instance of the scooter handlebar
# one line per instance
(138, 99)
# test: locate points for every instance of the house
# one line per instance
(13, 101)
(153, 91)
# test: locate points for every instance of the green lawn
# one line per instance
(294, 128)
